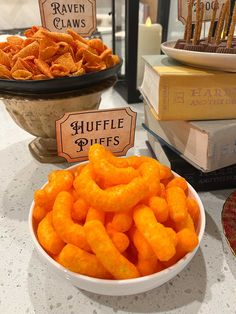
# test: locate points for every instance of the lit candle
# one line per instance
(149, 43)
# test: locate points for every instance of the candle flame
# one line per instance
(148, 21)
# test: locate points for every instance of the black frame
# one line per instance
(163, 13)
(126, 85)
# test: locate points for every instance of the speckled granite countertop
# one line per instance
(207, 285)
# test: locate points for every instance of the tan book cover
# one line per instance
(207, 145)
(178, 92)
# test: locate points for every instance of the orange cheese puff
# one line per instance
(193, 209)
(135, 162)
(172, 235)
(179, 181)
(77, 170)
(39, 212)
(103, 168)
(82, 262)
(122, 221)
(66, 228)
(41, 199)
(151, 175)
(169, 223)
(186, 223)
(74, 194)
(159, 207)
(52, 175)
(62, 180)
(147, 260)
(187, 241)
(176, 200)
(95, 214)
(59, 180)
(118, 198)
(48, 237)
(163, 190)
(132, 161)
(79, 210)
(149, 266)
(120, 239)
(166, 181)
(106, 252)
(165, 172)
(108, 217)
(144, 249)
(154, 232)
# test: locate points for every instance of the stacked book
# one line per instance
(190, 118)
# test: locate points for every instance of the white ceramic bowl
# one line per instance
(119, 287)
(206, 60)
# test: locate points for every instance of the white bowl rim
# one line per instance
(123, 282)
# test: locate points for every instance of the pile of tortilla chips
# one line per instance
(42, 54)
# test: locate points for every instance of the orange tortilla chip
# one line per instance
(94, 67)
(105, 53)
(109, 61)
(47, 48)
(116, 59)
(81, 46)
(97, 44)
(79, 64)
(63, 48)
(91, 57)
(46, 42)
(39, 34)
(30, 32)
(79, 72)
(44, 54)
(28, 41)
(67, 61)
(15, 40)
(59, 70)
(40, 77)
(22, 75)
(12, 50)
(47, 53)
(4, 45)
(19, 65)
(4, 59)
(4, 72)
(30, 50)
(76, 36)
(57, 37)
(29, 64)
(43, 67)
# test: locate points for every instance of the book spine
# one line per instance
(211, 181)
(196, 97)
(224, 178)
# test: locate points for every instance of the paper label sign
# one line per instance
(77, 131)
(58, 15)
(209, 5)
